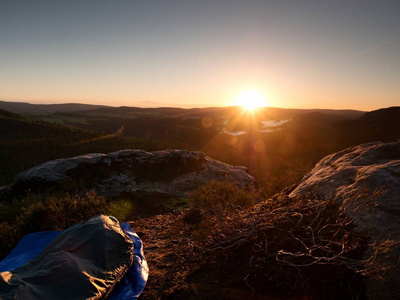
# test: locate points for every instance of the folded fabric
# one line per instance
(95, 259)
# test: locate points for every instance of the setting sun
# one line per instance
(251, 100)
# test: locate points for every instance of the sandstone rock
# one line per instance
(365, 182)
(171, 172)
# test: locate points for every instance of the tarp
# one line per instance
(90, 260)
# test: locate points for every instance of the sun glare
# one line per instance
(251, 100)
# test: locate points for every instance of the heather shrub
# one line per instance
(121, 209)
(217, 197)
(58, 213)
(45, 212)
(214, 203)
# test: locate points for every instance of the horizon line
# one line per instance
(179, 107)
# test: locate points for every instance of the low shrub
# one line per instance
(217, 197)
(213, 203)
(59, 213)
(46, 212)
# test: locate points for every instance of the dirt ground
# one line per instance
(175, 259)
(168, 252)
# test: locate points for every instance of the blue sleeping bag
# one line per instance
(130, 286)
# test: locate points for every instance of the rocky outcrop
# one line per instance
(365, 183)
(170, 172)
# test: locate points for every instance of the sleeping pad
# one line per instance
(85, 261)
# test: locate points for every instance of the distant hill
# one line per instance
(27, 108)
(378, 125)
(383, 123)
(266, 112)
(271, 112)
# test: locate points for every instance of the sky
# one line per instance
(182, 53)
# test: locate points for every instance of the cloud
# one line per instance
(374, 48)
(270, 130)
(272, 125)
(233, 133)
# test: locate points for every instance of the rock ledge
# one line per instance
(171, 172)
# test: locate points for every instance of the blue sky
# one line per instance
(300, 54)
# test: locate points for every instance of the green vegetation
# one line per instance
(216, 198)
(142, 204)
(60, 119)
(121, 209)
(213, 203)
(53, 211)
(46, 212)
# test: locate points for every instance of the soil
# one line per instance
(168, 252)
(177, 267)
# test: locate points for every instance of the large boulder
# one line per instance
(365, 183)
(170, 172)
